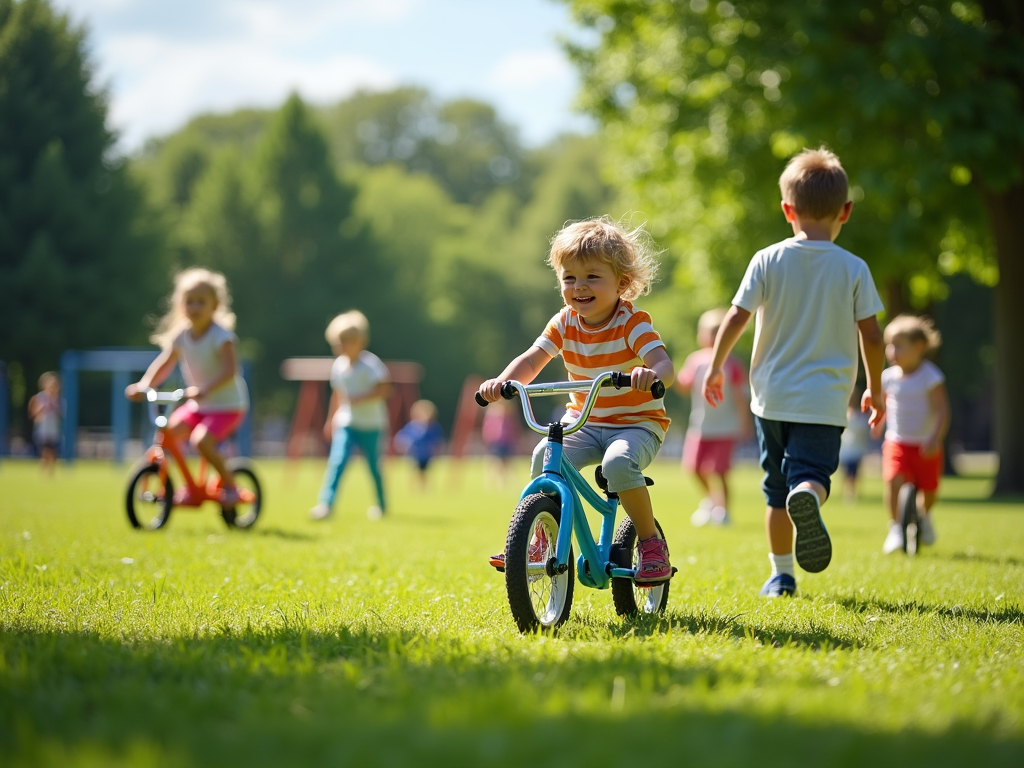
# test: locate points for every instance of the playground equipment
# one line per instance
(538, 560)
(311, 406)
(121, 362)
(151, 493)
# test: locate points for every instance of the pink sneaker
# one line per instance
(654, 566)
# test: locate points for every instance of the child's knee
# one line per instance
(622, 472)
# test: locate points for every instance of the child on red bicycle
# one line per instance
(197, 332)
(601, 268)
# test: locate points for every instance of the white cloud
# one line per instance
(169, 82)
(301, 20)
(526, 70)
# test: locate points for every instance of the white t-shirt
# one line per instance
(356, 379)
(200, 361)
(909, 417)
(723, 422)
(808, 296)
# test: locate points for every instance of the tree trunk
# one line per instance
(1006, 213)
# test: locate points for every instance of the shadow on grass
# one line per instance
(1010, 614)
(976, 557)
(280, 533)
(359, 698)
(706, 623)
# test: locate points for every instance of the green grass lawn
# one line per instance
(354, 642)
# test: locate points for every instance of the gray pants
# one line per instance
(622, 452)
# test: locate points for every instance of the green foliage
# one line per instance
(703, 102)
(76, 251)
(365, 643)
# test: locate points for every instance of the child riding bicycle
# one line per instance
(601, 268)
(197, 332)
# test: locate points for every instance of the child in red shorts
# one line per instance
(917, 418)
(712, 432)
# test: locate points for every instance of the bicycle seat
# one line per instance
(602, 483)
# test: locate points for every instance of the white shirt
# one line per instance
(356, 379)
(909, 416)
(201, 363)
(808, 296)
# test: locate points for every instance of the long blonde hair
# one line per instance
(175, 321)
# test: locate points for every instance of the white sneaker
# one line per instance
(320, 512)
(375, 513)
(702, 515)
(719, 516)
(926, 530)
(894, 542)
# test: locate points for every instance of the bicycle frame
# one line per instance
(562, 480)
(165, 442)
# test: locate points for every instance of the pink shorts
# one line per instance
(707, 455)
(220, 424)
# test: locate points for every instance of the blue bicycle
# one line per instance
(539, 563)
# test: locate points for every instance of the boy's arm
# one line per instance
(938, 399)
(872, 351)
(523, 369)
(732, 328)
(154, 376)
(332, 409)
(658, 366)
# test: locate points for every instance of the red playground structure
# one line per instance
(306, 435)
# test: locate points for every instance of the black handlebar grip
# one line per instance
(480, 400)
(658, 389)
(620, 380)
(508, 391)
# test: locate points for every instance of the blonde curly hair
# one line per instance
(175, 320)
(629, 252)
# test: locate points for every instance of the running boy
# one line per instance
(46, 409)
(358, 413)
(712, 433)
(917, 418)
(813, 299)
(601, 268)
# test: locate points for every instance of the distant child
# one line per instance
(917, 418)
(601, 268)
(46, 409)
(854, 446)
(197, 332)
(813, 299)
(421, 438)
(500, 432)
(358, 414)
(713, 432)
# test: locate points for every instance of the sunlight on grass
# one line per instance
(356, 642)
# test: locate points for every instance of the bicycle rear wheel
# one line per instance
(539, 597)
(246, 511)
(149, 499)
(629, 599)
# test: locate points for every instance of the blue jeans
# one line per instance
(344, 440)
(793, 453)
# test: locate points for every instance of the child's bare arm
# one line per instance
(332, 408)
(732, 328)
(872, 350)
(658, 366)
(155, 375)
(523, 369)
(938, 399)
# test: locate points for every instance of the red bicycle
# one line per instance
(151, 495)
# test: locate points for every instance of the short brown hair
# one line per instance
(815, 184)
(915, 328)
(627, 251)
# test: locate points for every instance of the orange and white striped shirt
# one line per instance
(619, 345)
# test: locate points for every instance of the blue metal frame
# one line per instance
(562, 481)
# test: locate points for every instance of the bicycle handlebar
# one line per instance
(617, 379)
(154, 399)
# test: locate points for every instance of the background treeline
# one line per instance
(433, 218)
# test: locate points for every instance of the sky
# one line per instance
(163, 62)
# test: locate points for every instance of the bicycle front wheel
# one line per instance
(149, 498)
(539, 597)
(629, 599)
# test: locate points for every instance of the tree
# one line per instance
(76, 253)
(701, 104)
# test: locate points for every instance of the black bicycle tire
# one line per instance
(230, 517)
(907, 501)
(517, 585)
(165, 508)
(623, 590)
